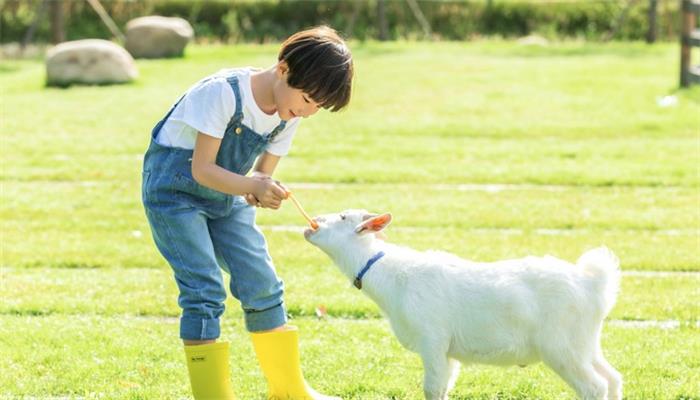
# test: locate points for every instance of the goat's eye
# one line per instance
(342, 216)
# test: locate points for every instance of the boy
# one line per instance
(199, 201)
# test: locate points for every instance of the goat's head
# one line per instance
(337, 232)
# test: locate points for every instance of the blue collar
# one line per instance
(358, 278)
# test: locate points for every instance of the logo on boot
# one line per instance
(198, 358)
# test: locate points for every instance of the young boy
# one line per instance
(199, 201)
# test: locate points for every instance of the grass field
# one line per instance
(488, 149)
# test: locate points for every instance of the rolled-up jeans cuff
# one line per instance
(197, 328)
(257, 321)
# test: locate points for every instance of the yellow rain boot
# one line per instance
(278, 353)
(209, 371)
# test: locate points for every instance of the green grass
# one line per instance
(115, 291)
(558, 149)
(122, 357)
(644, 225)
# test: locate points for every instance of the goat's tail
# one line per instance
(602, 268)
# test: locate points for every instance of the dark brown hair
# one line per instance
(320, 64)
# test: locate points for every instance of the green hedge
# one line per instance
(272, 20)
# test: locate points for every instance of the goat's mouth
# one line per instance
(308, 232)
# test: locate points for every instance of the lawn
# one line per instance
(486, 149)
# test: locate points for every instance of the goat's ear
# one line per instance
(368, 216)
(374, 224)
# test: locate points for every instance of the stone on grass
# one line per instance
(157, 37)
(89, 61)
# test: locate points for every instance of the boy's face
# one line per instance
(291, 102)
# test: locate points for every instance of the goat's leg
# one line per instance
(436, 375)
(579, 375)
(613, 377)
(454, 374)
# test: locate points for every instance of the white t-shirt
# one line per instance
(208, 107)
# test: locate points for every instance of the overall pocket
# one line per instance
(238, 152)
(184, 182)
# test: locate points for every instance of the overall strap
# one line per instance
(279, 128)
(238, 114)
(160, 123)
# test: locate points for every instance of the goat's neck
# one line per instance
(355, 256)
(381, 280)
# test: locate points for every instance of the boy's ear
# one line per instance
(282, 69)
(374, 224)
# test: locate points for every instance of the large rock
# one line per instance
(89, 61)
(157, 37)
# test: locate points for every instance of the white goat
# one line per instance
(451, 310)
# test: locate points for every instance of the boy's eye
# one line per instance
(306, 100)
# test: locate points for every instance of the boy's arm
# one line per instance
(264, 168)
(207, 173)
(266, 164)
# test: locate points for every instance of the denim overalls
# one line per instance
(199, 230)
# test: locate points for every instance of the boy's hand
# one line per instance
(269, 193)
(250, 197)
(286, 191)
(251, 200)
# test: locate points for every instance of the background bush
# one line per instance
(272, 20)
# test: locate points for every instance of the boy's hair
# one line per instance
(320, 64)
